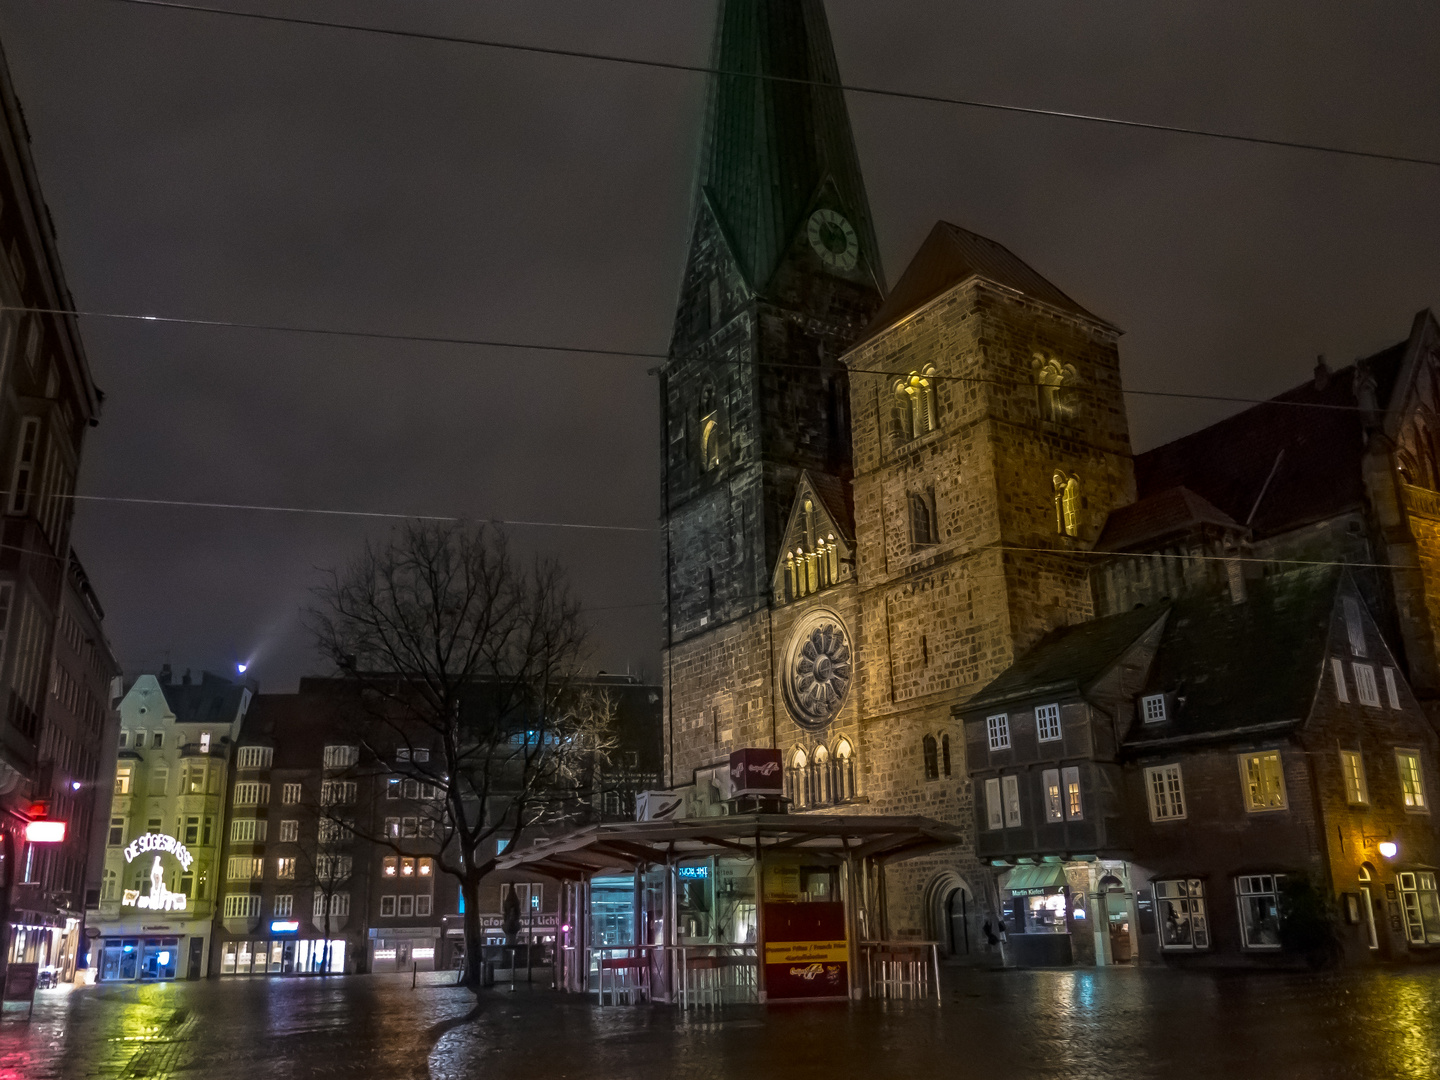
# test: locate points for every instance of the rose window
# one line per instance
(820, 669)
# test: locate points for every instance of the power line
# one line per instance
(701, 69)
(637, 354)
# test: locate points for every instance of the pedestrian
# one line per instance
(990, 938)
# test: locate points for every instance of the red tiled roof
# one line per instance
(1170, 511)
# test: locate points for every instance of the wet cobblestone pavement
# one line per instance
(1072, 1024)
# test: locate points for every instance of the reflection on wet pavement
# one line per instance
(1071, 1024)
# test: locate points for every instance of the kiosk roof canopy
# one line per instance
(623, 845)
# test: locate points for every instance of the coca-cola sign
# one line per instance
(756, 772)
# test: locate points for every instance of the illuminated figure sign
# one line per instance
(160, 898)
(159, 842)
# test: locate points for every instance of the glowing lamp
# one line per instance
(1388, 848)
(74, 785)
(242, 668)
(565, 929)
(164, 958)
(45, 832)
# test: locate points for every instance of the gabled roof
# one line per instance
(951, 255)
(1070, 658)
(772, 145)
(1311, 438)
(1165, 513)
(1227, 668)
(836, 498)
(212, 700)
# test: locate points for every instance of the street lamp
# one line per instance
(1388, 848)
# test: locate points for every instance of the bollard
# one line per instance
(414, 973)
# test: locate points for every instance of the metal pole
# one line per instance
(760, 921)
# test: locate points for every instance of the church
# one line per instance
(876, 499)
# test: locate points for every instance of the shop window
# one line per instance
(1412, 780)
(1153, 708)
(1337, 668)
(1050, 781)
(1010, 788)
(998, 728)
(1180, 911)
(1421, 905)
(1258, 897)
(1047, 722)
(1352, 769)
(1365, 688)
(1263, 781)
(387, 907)
(994, 809)
(1166, 790)
(932, 758)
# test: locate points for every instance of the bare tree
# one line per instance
(454, 645)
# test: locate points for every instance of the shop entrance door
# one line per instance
(402, 955)
(197, 953)
(1121, 947)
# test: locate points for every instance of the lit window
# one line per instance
(1421, 904)
(915, 403)
(245, 868)
(205, 742)
(1010, 786)
(1412, 780)
(1337, 668)
(1258, 896)
(1074, 810)
(1166, 791)
(427, 867)
(1365, 688)
(1180, 911)
(407, 867)
(1352, 768)
(1154, 708)
(124, 778)
(1047, 722)
(1263, 780)
(285, 867)
(999, 730)
(1050, 781)
(392, 828)
(1067, 504)
(391, 866)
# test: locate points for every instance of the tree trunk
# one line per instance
(474, 936)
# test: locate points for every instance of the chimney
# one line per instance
(165, 675)
(1322, 374)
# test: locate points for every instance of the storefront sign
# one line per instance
(693, 873)
(754, 771)
(806, 952)
(159, 842)
(160, 898)
(282, 926)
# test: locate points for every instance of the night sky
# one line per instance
(209, 167)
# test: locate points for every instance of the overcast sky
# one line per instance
(209, 167)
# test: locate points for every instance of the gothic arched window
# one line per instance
(844, 771)
(1067, 504)
(795, 777)
(945, 754)
(922, 520)
(1051, 377)
(915, 402)
(710, 444)
(932, 761)
(821, 787)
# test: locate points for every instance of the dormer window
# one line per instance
(1152, 708)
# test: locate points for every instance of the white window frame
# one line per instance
(251, 793)
(1420, 928)
(1047, 723)
(994, 809)
(341, 756)
(1010, 793)
(387, 907)
(245, 868)
(285, 868)
(290, 794)
(1337, 668)
(284, 905)
(1260, 757)
(290, 831)
(405, 909)
(1352, 775)
(1365, 687)
(247, 830)
(1412, 780)
(242, 906)
(1250, 886)
(1165, 791)
(255, 757)
(22, 481)
(1187, 897)
(1392, 689)
(1050, 784)
(422, 906)
(998, 728)
(1152, 709)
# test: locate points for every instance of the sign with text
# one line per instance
(757, 772)
(807, 954)
(20, 982)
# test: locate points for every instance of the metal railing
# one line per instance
(902, 969)
(683, 975)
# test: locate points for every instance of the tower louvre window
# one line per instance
(915, 403)
(922, 519)
(1067, 504)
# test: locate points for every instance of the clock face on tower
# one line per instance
(834, 240)
(818, 669)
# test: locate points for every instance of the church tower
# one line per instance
(783, 275)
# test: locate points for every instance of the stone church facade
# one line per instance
(875, 500)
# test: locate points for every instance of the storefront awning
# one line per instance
(622, 846)
(1032, 880)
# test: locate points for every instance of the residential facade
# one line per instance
(167, 817)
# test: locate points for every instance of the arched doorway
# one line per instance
(955, 917)
(957, 910)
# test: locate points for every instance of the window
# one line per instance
(1067, 504)
(1166, 791)
(1074, 809)
(1365, 688)
(284, 905)
(392, 828)
(255, 757)
(392, 788)
(1412, 780)
(427, 868)
(999, 730)
(932, 759)
(23, 481)
(710, 443)
(192, 830)
(944, 752)
(422, 906)
(1050, 377)
(192, 780)
(390, 866)
(242, 907)
(205, 742)
(1050, 781)
(407, 907)
(1392, 691)
(409, 828)
(252, 794)
(333, 867)
(244, 868)
(247, 830)
(332, 831)
(290, 794)
(117, 831)
(1258, 896)
(1047, 722)
(1421, 905)
(1352, 769)
(1354, 628)
(124, 739)
(338, 792)
(285, 867)
(1263, 781)
(339, 904)
(1010, 785)
(420, 755)
(341, 757)
(915, 403)
(994, 812)
(160, 780)
(402, 754)
(289, 832)
(1180, 911)
(157, 740)
(1153, 708)
(412, 789)
(124, 778)
(1337, 667)
(922, 519)
(387, 907)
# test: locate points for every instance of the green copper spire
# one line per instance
(773, 149)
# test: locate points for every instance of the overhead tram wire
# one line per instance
(629, 354)
(703, 69)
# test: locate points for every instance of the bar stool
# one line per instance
(629, 978)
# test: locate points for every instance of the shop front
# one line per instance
(286, 953)
(397, 948)
(1058, 913)
(1037, 916)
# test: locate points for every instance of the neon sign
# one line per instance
(160, 898)
(152, 841)
(284, 926)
